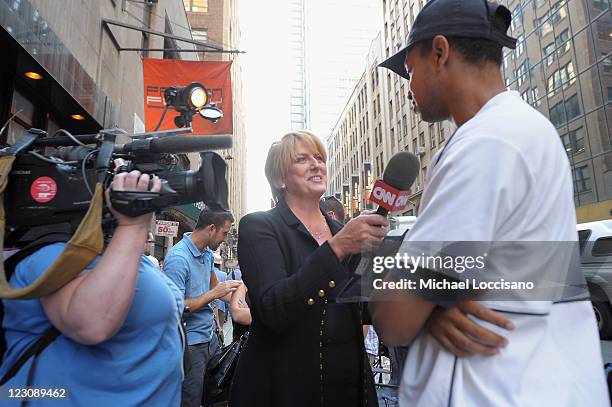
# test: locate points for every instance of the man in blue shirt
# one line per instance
(189, 264)
(220, 305)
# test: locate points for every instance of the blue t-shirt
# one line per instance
(140, 365)
(190, 270)
(221, 276)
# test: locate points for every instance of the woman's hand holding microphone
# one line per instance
(361, 234)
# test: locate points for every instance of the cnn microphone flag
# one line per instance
(388, 197)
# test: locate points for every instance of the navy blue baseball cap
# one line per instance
(455, 18)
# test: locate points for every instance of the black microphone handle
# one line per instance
(382, 211)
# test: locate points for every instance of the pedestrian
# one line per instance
(189, 264)
(117, 322)
(239, 307)
(333, 207)
(304, 348)
(503, 176)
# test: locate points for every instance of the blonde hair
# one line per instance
(282, 153)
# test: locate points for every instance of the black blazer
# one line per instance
(304, 349)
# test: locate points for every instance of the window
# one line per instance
(197, 6)
(421, 139)
(557, 113)
(564, 76)
(539, 3)
(531, 96)
(520, 46)
(573, 141)
(441, 135)
(551, 18)
(604, 30)
(572, 107)
(521, 72)
(517, 18)
(549, 53)
(582, 180)
(602, 247)
(557, 48)
(201, 34)
(600, 5)
(607, 64)
(432, 137)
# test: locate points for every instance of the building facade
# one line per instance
(562, 66)
(299, 103)
(84, 82)
(217, 22)
(336, 49)
(67, 67)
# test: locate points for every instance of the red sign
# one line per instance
(43, 189)
(388, 197)
(166, 228)
(160, 74)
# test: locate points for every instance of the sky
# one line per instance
(265, 72)
(265, 87)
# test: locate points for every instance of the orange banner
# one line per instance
(160, 74)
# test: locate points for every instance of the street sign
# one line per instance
(166, 228)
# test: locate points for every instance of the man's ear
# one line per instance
(441, 50)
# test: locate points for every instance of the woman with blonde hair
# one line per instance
(304, 348)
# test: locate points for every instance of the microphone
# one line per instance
(176, 144)
(391, 193)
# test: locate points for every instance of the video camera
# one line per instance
(53, 178)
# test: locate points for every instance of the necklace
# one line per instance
(319, 234)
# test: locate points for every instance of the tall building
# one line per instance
(81, 79)
(562, 66)
(299, 102)
(216, 22)
(336, 48)
(79, 67)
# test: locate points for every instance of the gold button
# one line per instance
(321, 293)
(310, 301)
(332, 284)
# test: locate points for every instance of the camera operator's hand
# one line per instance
(224, 288)
(363, 233)
(132, 181)
(92, 307)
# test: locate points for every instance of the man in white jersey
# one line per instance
(502, 177)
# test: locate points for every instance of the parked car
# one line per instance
(596, 259)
